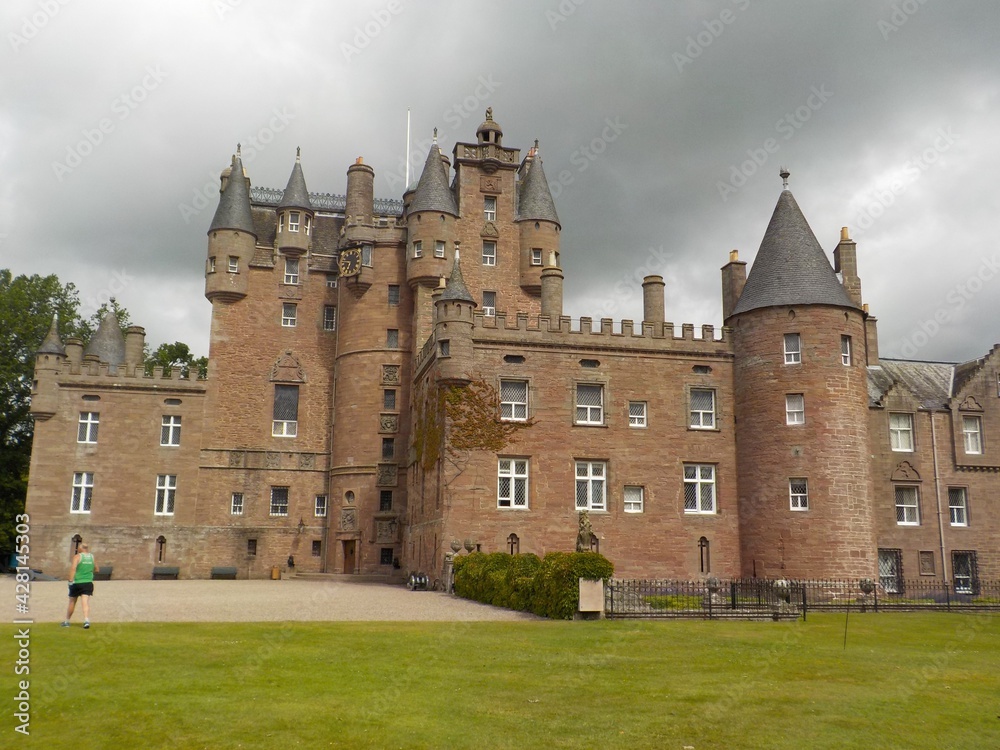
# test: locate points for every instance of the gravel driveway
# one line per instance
(249, 601)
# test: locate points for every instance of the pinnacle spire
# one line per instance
(296, 194)
(534, 199)
(456, 289)
(433, 192)
(234, 204)
(52, 343)
(108, 343)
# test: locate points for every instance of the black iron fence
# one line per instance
(758, 598)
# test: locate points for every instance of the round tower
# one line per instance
(295, 215)
(453, 325)
(537, 222)
(801, 412)
(48, 362)
(360, 193)
(231, 237)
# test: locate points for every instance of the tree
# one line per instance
(176, 354)
(27, 304)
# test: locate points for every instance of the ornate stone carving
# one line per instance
(272, 460)
(970, 404)
(386, 475)
(388, 423)
(490, 184)
(489, 230)
(904, 472)
(307, 461)
(348, 519)
(390, 374)
(287, 369)
(386, 531)
(237, 458)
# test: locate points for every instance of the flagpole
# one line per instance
(407, 182)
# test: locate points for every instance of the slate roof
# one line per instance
(534, 199)
(433, 192)
(234, 204)
(456, 289)
(52, 343)
(108, 343)
(296, 194)
(790, 268)
(932, 383)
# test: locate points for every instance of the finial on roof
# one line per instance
(536, 144)
(238, 154)
(489, 113)
(111, 300)
(435, 136)
(784, 177)
(298, 153)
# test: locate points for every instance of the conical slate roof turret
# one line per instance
(234, 205)
(534, 199)
(455, 289)
(108, 343)
(790, 268)
(52, 343)
(296, 195)
(433, 192)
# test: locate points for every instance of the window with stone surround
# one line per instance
(166, 488)
(388, 448)
(319, 509)
(389, 399)
(972, 432)
(699, 488)
(633, 498)
(907, 506)
(964, 571)
(236, 505)
(279, 501)
(210, 266)
(702, 409)
(890, 570)
(291, 270)
(393, 295)
(489, 253)
(385, 556)
(795, 408)
(288, 312)
(845, 351)
(418, 249)
(317, 548)
(536, 256)
(798, 493)
(489, 304)
(285, 416)
(385, 501)
(958, 506)
(294, 218)
(438, 248)
(367, 255)
(490, 208)
(83, 492)
(86, 431)
(793, 349)
(901, 432)
(251, 547)
(329, 317)
(514, 400)
(234, 264)
(170, 430)
(591, 485)
(512, 483)
(589, 404)
(392, 338)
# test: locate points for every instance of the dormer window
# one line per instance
(294, 218)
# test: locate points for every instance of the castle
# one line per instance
(345, 331)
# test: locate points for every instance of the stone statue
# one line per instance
(586, 533)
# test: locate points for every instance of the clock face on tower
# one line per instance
(350, 261)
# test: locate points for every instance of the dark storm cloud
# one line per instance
(662, 127)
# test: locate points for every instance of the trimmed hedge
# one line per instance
(546, 587)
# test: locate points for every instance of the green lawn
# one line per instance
(919, 680)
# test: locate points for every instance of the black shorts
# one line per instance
(81, 589)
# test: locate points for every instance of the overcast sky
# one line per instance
(662, 127)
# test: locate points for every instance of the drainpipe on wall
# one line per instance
(937, 494)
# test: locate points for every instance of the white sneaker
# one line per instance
(86, 624)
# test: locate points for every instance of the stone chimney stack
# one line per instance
(845, 262)
(652, 299)
(552, 289)
(734, 278)
(360, 192)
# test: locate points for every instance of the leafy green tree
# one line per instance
(27, 304)
(177, 354)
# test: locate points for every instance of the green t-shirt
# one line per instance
(85, 569)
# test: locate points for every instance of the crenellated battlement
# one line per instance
(104, 371)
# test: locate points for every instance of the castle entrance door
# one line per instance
(350, 549)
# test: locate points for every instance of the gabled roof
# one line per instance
(456, 289)
(52, 343)
(966, 371)
(534, 199)
(791, 267)
(108, 343)
(930, 383)
(296, 194)
(234, 204)
(433, 192)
